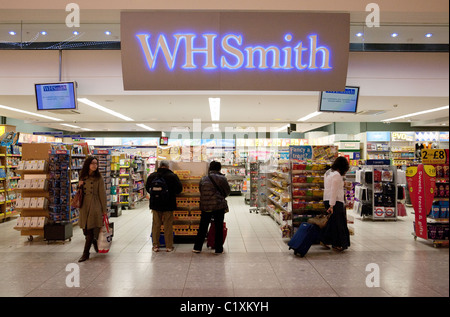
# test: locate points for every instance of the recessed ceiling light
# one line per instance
(30, 113)
(416, 113)
(145, 127)
(12, 33)
(101, 108)
(428, 35)
(75, 32)
(107, 32)
(359, 34)
(214, 107)
(309, 116)
(43, 33)
(394, 34)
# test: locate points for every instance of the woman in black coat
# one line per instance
(214, 188)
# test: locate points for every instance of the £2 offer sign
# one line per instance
(422, 187)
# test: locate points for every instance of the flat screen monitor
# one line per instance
(163, 140)
(340, 101)
(56, 96)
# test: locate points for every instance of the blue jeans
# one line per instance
(203, 229)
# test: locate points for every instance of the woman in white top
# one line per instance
(336, 231)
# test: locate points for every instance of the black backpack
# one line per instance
(159, 194)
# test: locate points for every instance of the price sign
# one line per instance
(435, 156)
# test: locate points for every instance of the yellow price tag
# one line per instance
(435, 156)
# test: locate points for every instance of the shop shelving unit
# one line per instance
(279, 204)
(235, 175)
(10, 157)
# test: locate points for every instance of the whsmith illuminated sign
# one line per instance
(234, 51)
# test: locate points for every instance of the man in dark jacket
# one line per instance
(163, 214)
(214, 188)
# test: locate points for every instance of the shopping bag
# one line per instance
(77, 200)
(105, 237)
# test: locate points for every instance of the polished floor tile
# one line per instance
(257, 263)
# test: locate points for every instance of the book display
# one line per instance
(32, 188)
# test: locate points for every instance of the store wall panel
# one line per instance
(99, 72)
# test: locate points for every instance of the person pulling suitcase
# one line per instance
(214, 189)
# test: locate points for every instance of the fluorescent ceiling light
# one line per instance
(311, 115)
(145, 127)
(215, 127)
(69, 125)
(214, 107)
(86, 129)
(97, 106)
(283, 128)
(30, 113)
(417, 113)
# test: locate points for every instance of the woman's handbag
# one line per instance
(104, 237)
(77, 200)
(218, 189)
(320, 220)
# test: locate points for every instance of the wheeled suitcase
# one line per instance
(210, 242)
(304, 237)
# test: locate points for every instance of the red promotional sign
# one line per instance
(422, 186)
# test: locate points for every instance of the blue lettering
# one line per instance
(234, 55)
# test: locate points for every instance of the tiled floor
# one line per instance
(256, 263)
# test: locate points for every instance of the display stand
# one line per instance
(428, 185)
(32, 187)
(10, 156)
(65, 164)
(376, 192)
(187, 215)
(104, 167)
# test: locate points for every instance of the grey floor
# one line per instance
(256, 263)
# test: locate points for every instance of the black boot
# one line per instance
(84, 257)
(89, 235)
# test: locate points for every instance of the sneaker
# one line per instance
(169, 249)
(155, 249)
(196, 251)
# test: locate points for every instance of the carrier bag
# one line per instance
(104, 237)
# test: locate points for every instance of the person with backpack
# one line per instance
(163, 187)
(214, 188)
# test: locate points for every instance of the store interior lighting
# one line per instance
(30, 113)
(416, 114)
(143, 126)
(101, 108)
(214, 107)
(70, 126)
(309, 116)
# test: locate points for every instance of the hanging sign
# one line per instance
(434, 156)
(422, 186)
(213, 50)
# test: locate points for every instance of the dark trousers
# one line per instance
(203, 229)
